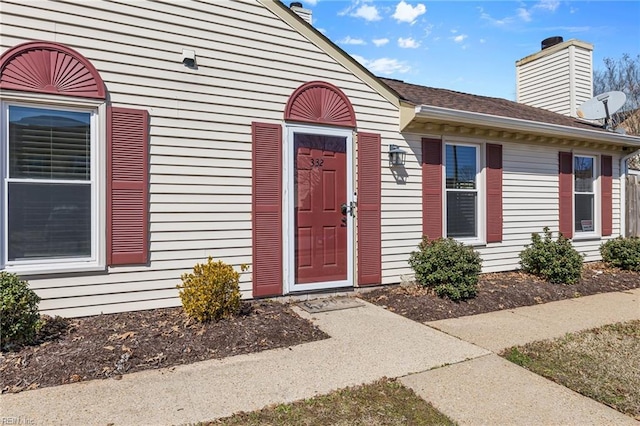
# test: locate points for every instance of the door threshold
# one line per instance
(303, 295)
(330, 304)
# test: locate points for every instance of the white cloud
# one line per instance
(483, 41)
(560, 29)
(524, 14)
(550, 5)
(408, 43)
(407, 13)
(494, 21)
(310, 2)
(350, 40)
(428, 29)
(383, 66)
(367, 12)
(460, 38)
(380, 41)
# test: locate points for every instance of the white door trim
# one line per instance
(288, 227)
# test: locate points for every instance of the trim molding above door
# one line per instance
(318, 102)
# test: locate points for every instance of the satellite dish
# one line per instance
(602, 106)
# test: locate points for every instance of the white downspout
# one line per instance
(624, 170)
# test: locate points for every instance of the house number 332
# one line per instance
(317, 162)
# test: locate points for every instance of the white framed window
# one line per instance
(50, 195)
(463, 192)
(584, 193)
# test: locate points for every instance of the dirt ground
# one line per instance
(497, 291)
(107, 346)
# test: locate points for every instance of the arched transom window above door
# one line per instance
(318, 102)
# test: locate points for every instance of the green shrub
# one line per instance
(211, 292)
(555, 261)
(19, 317)
(622, 253)
(449, 267)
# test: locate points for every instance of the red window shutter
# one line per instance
(369, 218)
(432, 188)
(565, 180)
(267, 209)
(494, 193)
(606, 175)
(127, 186)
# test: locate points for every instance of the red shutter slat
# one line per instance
(369, 218)
(565, 181)
(432, 188)
(606, 174)
(267, 209)
(494, 193)
(127, 186)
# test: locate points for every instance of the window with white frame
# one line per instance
(462, 168)
(584, 193)
(49, 184)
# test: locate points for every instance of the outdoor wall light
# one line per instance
(396, 155)
(189, 58)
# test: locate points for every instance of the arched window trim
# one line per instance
(319, 102)
(50, 68)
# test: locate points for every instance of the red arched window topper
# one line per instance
(320, 103)
(47, 67)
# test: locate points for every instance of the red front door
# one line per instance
(320, 190)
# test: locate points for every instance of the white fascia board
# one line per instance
(523, 126)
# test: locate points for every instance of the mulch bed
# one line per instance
(497, 291)
(107, 346)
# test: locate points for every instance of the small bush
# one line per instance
(211, 292)
(623, 253)
(19, 317)
(449, 267)
(555, 261)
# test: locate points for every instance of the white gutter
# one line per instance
(524, 126)
(624, 171)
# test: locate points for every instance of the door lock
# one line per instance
(348, 208)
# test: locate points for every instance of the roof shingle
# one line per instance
(423, 95)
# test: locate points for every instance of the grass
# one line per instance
(385, 402)
(602, 363)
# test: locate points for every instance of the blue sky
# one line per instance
(470, 46)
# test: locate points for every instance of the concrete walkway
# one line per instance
(491, 390)
(499, 330)
(465, 381)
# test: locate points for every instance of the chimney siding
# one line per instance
(303, 13)
(558, 78)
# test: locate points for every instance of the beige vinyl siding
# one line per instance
(559, 81)
(545, 83)
(530, 203)
(401, 210)
(249, 63)
(583, 76)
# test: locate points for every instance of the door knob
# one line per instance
(348, 208)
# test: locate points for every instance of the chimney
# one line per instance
(305, 14)
(558, 78)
